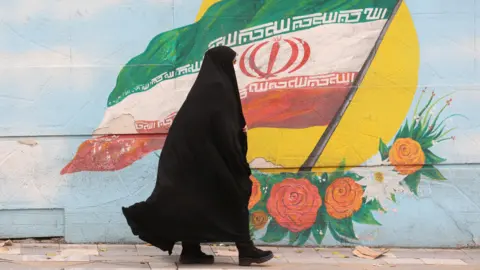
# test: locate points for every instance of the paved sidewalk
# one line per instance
(133, 257)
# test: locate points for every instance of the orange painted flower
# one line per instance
(256, 193)
(343, 198)
(407, 156)
(259, 219)
(294, 204)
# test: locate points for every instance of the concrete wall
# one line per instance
(389, 174)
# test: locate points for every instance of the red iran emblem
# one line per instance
(286, 55)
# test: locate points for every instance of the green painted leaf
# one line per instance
(426, 127)
(322, 183)
(427, 106)
(394, 199)
(319, 229)
(299, 238)
(416, 130)
(412, 181)
(431, 158)
(438, 132)
(445, 133)
(343, 227)
(337, 237)
(275, 232)
(374, 205)
(404, 131)
(383, 149)
(307, 175)
(312, 177)
(425, 143)
(261, 177)
(252, 231)
(292, 237)
(339, 172)
(432, 173)
(317, 181)
(354, 176)
(303, 237)
(341, 166)
(365, 216)
(274, 179)
(286, 175)
(260, 206)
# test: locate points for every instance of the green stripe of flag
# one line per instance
(179, 52)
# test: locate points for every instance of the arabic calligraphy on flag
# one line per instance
(296, 65)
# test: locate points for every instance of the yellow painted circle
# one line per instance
(377, 110)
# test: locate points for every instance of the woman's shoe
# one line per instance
(248, 254)
(192, 254)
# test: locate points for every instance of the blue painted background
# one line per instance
(59, 61)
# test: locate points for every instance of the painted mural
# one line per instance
(301, 205)
(358, 124)
(291, 78)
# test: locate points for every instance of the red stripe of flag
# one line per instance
(291, 107)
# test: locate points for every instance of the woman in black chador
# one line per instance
(203, 184)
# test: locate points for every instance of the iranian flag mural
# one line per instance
(296, 65)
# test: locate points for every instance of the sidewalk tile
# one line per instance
(472, 253)
(177, 250)
(117, 250)
(278, 260)
(145, 250)
(293, 250)
(472, 262)
(39, 245)
(56, 258)
(50, 264)
(162, 266)
(356, 260)
(334, 252)
(412, 253)
(113, 266)
(225, 253)
(221, 266)
(450, 254)
(66, 250)
(389, 255)
(11, 257)
(133, 258)
(78, 251)
(36, 249)
(16, 249)
(443, 261)
(79, 246)
(225, 260)
(384, 267)
(403, 261)
(301, 255)
(223, 249)
(14, 266)
(207, 249)
(313, 258)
